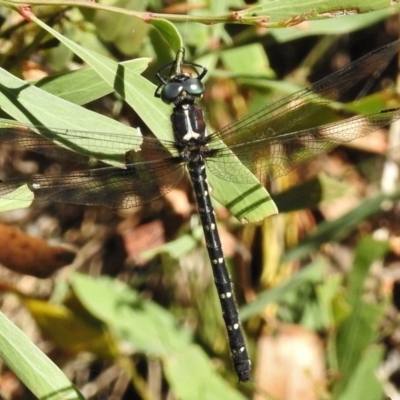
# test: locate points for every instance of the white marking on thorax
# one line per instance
(190, 134)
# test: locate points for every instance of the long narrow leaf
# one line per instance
(34, 368)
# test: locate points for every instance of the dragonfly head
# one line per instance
(182, 89)
(182, 84)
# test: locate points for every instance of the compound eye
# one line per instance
(193, 86)
(171, 91)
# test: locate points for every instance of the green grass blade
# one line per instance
(40, 375)
(359, 330)
(312, 272)
(337, 229)
(364, 383)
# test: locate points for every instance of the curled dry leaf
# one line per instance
(28, 255)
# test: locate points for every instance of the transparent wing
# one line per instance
(271, 157)
(150, 171)
(85, 145)
(290, 127)
(111, 187)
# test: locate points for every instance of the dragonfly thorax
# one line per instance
(188, 125)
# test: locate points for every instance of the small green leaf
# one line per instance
(245, 60)
(312, 193)
(192, 362)
(57, 321)
(177, 248)
(169, 32)
(327, 293)
(368, 251)
(20, 193)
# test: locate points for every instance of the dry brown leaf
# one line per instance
(290, 365)
(28, 255)
(144, 237)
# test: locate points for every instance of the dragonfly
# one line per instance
(269, 143)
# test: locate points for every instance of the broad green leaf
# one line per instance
(83, 85)
(353, 337)
(152, 330)
(137, 91)
(146, 325)
(248, 203)
(292, 12)
(38, 373)
(125, 32)
(331, 26)
(20, 100)
(79, 87)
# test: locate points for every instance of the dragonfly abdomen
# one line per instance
(222, 280)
